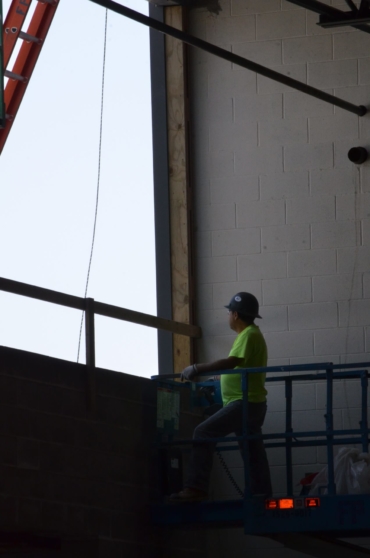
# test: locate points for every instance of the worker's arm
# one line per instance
(191, 372)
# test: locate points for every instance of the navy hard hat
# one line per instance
(245, 304)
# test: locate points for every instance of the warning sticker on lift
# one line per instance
(168, 409)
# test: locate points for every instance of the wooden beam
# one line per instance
(100, 308)
(178, 184)
(148, 320)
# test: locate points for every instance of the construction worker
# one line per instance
(248, 351)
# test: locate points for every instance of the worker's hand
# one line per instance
(189, 373)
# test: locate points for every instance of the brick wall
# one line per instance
(280, 210)
(87, 480)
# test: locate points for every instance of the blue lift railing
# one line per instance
(253, 509)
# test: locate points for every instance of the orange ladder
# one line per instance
(2, 106)
(26, 59)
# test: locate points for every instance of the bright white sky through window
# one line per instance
(48, 179)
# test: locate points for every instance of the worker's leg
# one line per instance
(218, 425)
(258, 463)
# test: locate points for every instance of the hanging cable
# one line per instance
(357, 200)
(98, 182)
(229, 475)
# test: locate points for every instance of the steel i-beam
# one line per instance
(229, 56)
(329, 11)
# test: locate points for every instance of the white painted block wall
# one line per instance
(280, 210)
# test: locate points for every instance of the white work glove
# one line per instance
(189, 372)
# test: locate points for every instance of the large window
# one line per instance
(48, 184)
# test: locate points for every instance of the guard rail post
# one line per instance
(363, 423)
(329, 431)
(90, 353)
(288, 439)
(245, 434)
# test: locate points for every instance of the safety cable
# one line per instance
(99, 172)
(357, 191)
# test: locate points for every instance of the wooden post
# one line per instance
(90, 353)
(179, 187)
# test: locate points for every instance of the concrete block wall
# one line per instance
(88, 480)
(280, 210)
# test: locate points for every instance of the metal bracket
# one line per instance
(334, 16)
(329, 15)
(355, 16)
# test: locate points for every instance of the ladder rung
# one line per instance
(12, 75)
(29, 38)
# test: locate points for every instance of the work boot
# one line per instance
(189, 495)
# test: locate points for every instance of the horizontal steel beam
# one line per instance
(108, 310)
(229, 56)
(347, 18)
(324, 9)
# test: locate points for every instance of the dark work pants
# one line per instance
(229, 420)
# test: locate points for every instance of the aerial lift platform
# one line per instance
(309, 523)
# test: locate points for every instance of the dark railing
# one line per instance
(324, 371)
(92, 307)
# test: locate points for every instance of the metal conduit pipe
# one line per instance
(229, 56)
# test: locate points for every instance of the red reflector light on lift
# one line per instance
(312, 502)
(286, 503)
(271, 504)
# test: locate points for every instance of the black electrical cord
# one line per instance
(98, 184)
(208, 393)
(229, 475)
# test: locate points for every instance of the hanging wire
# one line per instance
(229, 474)
(99, 172)
(357, 191)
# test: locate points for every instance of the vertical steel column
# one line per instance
(2, 105)
(329, 431)
(245, 443)
(90, 353)
(363, 422)
(161, 189)
(288, 439)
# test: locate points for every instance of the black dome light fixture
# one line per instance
(357, 155)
